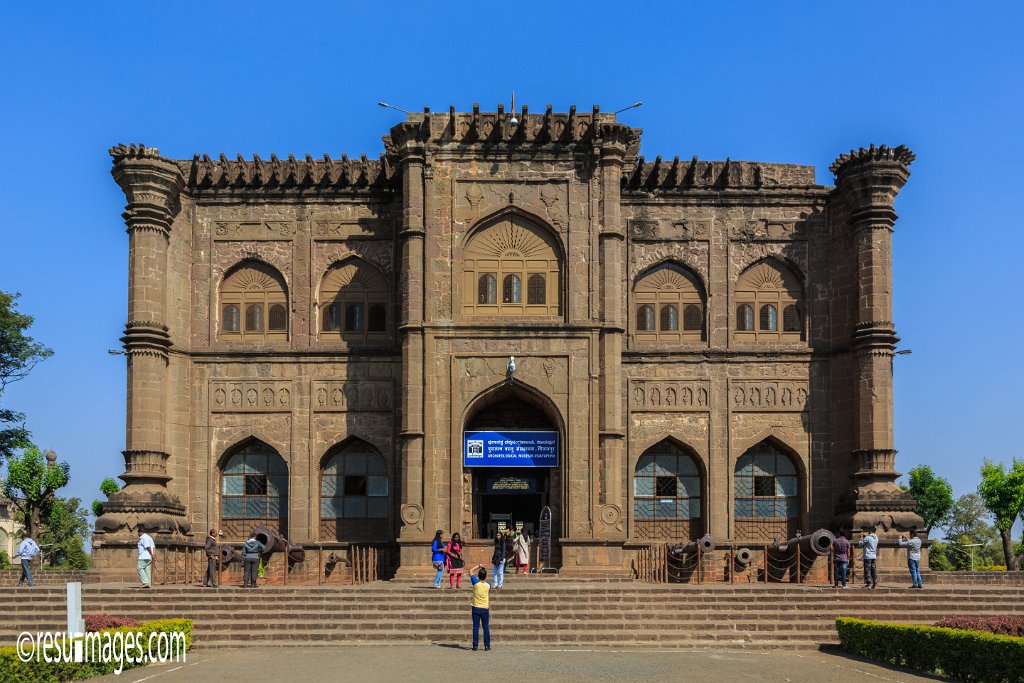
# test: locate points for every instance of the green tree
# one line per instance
(108, 487)
(64, 524)
(968, 524)
(19, 353)
(1002, 490)
(938, 558)
(933, 494)
(32, 484)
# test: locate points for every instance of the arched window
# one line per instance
(667, 494)
(354, 494)
(768, 287)
(669, 289)
(536, 290)
(354, 298)
(767, 494)
(745, 318)
(254, 491)
(645, 318)
(488, 289)
(511, 250)
(254, 304)
(512, 290)
(693, 318)
(791, 319)
(669, 318)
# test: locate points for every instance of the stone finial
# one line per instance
(51, 458)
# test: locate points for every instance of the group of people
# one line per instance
(842, 551)
(514, 545)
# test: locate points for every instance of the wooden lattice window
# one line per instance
(766, 489)
(768, 287)
(669, 289)
(354, 299)
(254, 304)
(667, 494)
(511, 251)
(354, 493)
(254, 490)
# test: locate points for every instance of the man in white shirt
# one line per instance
(870, 544)
(147, 551)
(26, 551)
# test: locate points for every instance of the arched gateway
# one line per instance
(512, 457)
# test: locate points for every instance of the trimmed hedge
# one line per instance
(962, 655)
(1003, 625)
(13, 670)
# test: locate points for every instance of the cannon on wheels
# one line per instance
(796, 556)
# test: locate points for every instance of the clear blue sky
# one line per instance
(784, 82)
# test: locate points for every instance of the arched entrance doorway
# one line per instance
(512, 452)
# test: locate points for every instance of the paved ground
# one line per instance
(457, 662)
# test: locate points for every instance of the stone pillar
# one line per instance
(152, 186)
(611, 474)
(867, 182)
(411, 156)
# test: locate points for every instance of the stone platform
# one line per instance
(528, 611)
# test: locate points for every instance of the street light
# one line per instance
(632, 106)
(391, 106)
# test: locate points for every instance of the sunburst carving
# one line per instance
(666, 278)
(251, 279)
(764, 277)
(508, 240)
(354, 275)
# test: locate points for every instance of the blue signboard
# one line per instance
(510, 449)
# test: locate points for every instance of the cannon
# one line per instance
(333, 558)
(276, 543)
(229, 555)
(706, 543)
(819, 543)
(743, 556)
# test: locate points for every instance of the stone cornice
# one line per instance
(872, 177)
(666, 178)
(146, 338)
(289, 175)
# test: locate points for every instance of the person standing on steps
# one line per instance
(841, 559)
(913, 546)
(522, 550)
(498, 559)
(481, 606)
(870, 545)
(212, 553)
(251, 553)
(453, 558)
(147, 553)
(437, 556)
(27, 550)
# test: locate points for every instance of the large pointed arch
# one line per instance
(253, 489)
(512, 264)
(768, 492)
(355, 493)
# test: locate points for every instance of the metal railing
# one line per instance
(657, 564)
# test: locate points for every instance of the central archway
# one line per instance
(511, 493)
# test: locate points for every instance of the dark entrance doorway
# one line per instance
(508, 497)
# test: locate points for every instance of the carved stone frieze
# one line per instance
(768, 395)
(361, 228)
(669, 395)
(250, 396)
(350, 396)
(769, 230)
(224, 231)
(653, 230)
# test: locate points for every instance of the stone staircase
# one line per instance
(550, 612)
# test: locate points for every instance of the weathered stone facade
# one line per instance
(803, 371)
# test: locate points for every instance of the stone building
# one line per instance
(325, 345)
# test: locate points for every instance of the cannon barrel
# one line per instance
(276, 543)
(706, 543)
(296, 553)
(333, 558)
(229, 555)
(818, 543)
(744, 556)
